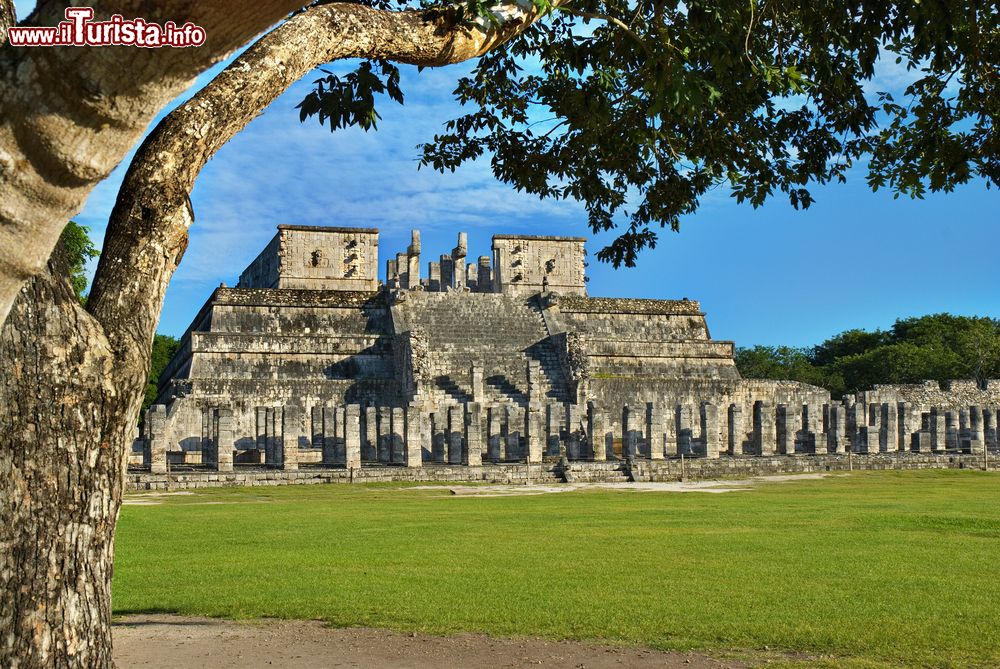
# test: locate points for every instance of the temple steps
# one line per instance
(498, 333)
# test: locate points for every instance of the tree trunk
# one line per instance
(63, 421)
(72, 381)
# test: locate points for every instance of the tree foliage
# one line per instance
(938, 347)
(164, 347)
(77, 249)
(638, 108)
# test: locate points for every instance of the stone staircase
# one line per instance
(500, 333)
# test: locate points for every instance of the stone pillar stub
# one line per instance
(655, 430)
(352, 436)
(710, 429)
(472, 454)
(764, 428)
(157, 419)
(456, 428)
(598, 431)
(291, 429)
(225, 441)
(737, 430)
(415, 418)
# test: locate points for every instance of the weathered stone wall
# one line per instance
(526, 265)
(951, 395)
(316, 258)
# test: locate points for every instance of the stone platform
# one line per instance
(553, 473)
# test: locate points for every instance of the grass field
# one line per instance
(871, 569)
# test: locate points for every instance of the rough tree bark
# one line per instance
(71, 381)
(68, 115)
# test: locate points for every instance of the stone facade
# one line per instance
(316, 258)
(311, 363)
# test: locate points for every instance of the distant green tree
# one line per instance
(780, 363)
(935, 347)
(164, 347)
(79, 249)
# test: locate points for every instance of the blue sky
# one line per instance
(767, 276)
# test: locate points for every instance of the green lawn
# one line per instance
(873, 569)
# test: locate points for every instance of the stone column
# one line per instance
(764, 428)
(964, 431)
(838, 428)
(554, 420)
(655, 429)
(401, 270)
(938, 431)
(485, 278)
(369, 438)
(990, 428)
(426, 436)
(951, 430)
(413, 261)
(156, 417)
(473, 453)
(447, 273)
(385, 434)
(906, 426)
(890, 427)
(629, 433)
(439, 436)
(977, 441)
(710, 429)
(787, 429)
(398, 455)
(456, 427)
(458, 261)
(685, 430)
(476, 376)
(533, 375)
(391, 274)
(352, 436)
(533, 427)
(814, 429)
(737, 431)
(434, 276)
(291, 429)
(494, 438)
(574, 432)
(598, 431)
(858, 422)
(925, 437)
(515, 428)
(263, 446)
(224, 441)
(414, 449)
(328, 440)
(870, 433)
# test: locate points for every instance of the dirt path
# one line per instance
(155, 641)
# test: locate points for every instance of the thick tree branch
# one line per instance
(68, 115)
(8, 17)
(148, 229)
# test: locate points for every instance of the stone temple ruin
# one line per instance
(312, 363)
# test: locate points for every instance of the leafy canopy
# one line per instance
(77, 249)
(938, 347)
(164, 348)
(637, 108)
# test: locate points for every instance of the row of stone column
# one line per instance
(450, 273)
(901, 426)
(471, 433)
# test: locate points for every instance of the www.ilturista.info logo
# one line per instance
(79, 30)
